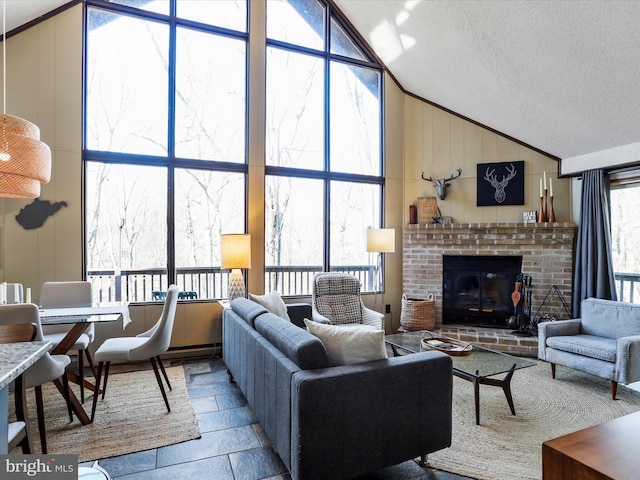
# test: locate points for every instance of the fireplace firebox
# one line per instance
(477, 289)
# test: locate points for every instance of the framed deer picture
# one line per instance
(500, 183)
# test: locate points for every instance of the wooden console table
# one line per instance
(606, 451)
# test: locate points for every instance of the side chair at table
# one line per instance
(67, 295)
(145, 346)
(50, 368)
(19, 432)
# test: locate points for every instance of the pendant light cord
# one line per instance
(4, 56)
(4, 148)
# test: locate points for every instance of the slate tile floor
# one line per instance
(233, 445)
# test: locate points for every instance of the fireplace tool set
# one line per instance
(553, 291)
(521, 297)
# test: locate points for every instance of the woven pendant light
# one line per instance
(25, 161)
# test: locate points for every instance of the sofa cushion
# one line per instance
(600, 348)
(272, 302)
(607, 318)
(247, 310)
(297, 344)
(349, 344)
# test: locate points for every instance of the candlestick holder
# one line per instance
(552, 215)
(543, 208)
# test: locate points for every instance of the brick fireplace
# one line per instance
(546, 249)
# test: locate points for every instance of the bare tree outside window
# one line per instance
(166, 148)
(145, 180)
(127, 87)
(323, 138)
(625, 230)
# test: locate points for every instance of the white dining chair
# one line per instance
(50, 368)
(145, 346)
(19, 431)
(67, 295)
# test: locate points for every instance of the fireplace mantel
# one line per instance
(546, 250)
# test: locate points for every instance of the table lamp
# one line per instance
(380, 240)
(235, 254)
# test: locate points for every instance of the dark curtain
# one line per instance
(593, 276)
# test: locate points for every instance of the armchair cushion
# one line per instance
(605, 318)
(349, 344)
(340, 309)
(600, 348)
(335, 283)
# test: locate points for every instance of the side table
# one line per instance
(606, 451)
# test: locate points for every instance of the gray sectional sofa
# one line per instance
(335, 422)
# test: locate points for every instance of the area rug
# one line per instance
(131, 418)
(506, 447)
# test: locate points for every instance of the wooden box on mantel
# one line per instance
(427, 209)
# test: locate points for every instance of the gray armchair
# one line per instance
(605, 342)
(336, 300)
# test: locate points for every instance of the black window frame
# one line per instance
(170, 161)
(326, 175)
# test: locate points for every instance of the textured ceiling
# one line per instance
(562, 76)
(20, 12)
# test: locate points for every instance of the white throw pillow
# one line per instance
(349, 344)
(272, 302)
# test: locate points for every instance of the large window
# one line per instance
(165, 144)
(324, 179)
(625, 231)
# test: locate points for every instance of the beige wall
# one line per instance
(257, 93)
(438, 143)
(394, 201)
(45, 86)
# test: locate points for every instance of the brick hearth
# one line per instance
(546, 250)
(499, 339)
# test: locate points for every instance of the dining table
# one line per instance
(15, 358)
(80, 318)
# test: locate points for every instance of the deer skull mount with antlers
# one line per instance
(442, 184)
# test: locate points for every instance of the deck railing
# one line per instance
(627, 285)
(209, 283)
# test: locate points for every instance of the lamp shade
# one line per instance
(381, 240)
(235, 250)
(25, 161)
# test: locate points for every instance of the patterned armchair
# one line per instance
(336, 300)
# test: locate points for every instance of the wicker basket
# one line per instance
(417, 313)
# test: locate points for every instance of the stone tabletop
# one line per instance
(15, 358)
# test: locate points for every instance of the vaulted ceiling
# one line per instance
(20, 12)
(560, 75)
